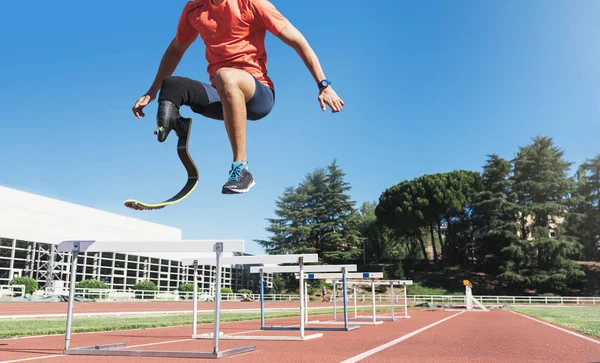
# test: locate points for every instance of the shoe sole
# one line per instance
(238, 191)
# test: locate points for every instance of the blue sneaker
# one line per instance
(240, 179)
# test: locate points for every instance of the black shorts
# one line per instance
(203, 98)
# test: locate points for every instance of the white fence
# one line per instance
(12, 291)
(137, 295)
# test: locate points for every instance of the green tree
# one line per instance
(541, 256)
(432, 204)
(398, 209)
(494, 213)
(583, 220)
(317, 216)
(381, 243)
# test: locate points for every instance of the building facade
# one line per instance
(31, 226)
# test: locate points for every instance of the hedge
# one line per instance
(31, 285)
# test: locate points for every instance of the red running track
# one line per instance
(428, 336)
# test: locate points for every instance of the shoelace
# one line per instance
(236, 173)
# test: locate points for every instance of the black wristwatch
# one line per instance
(324, 84)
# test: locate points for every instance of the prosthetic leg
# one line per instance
(169, 119)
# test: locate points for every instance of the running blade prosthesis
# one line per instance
(183, 128)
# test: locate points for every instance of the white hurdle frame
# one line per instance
(246, 260)
(373, 317)
(186, 246)
(349, 278)
(300, 269)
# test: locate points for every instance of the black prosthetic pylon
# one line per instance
(168, 119)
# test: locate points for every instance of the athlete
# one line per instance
(240, 89)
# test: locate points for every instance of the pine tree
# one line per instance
(584, 219)
(541, 257)
(494, 213)
(316, 217)
(339, 220)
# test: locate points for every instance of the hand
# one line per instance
(141, 103)
(328, 97)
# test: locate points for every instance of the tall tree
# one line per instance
(381, 244)
(584, 219)
(316, 217)
(339, 220)
(494, 213)
(541, 257)
(398, 210)
(433, 202)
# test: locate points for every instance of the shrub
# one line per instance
(244, 291)
(31, 285)
(186, 287)
(226, 290)
(91, 284)
(146, 286)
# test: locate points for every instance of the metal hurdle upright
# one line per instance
(373, 317)
(187, 246)
(300, 270)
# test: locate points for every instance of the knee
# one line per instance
(227, 81)
(172, 82)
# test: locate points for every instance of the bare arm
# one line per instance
(292, 37)
(168, 64)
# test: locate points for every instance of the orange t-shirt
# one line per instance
(233, 33)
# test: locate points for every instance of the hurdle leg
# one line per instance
(355, 307)
(302, 312)
(344, 287)
(392, 292)
(195, 301)
(74, 255)
(306, 301)
(334, 297)
(219, 252)
(262, 299)
(373, 300)
(405, 302)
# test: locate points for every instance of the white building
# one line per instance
(32, 225)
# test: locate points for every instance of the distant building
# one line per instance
(31, 226)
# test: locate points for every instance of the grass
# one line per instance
(585, 319)
(28, 327)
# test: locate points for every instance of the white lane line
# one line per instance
(396, 341)
(143, 345)
(557, 327)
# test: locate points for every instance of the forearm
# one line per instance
(168, 64)
(310, 59)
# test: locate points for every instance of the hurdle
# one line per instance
(250, 260)
(349, 281)
(300, 269)
(182, 246)
(373, 317)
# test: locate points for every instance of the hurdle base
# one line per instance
(310, 328)
(258, 337)
(113, 350)
(336, 322)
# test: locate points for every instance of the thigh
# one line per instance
(214, 108)
(261, 104)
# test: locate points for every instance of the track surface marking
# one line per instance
(496, 336)
(557, 327)
(431, 336)
(369, 353)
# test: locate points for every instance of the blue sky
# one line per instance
(429, 87)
